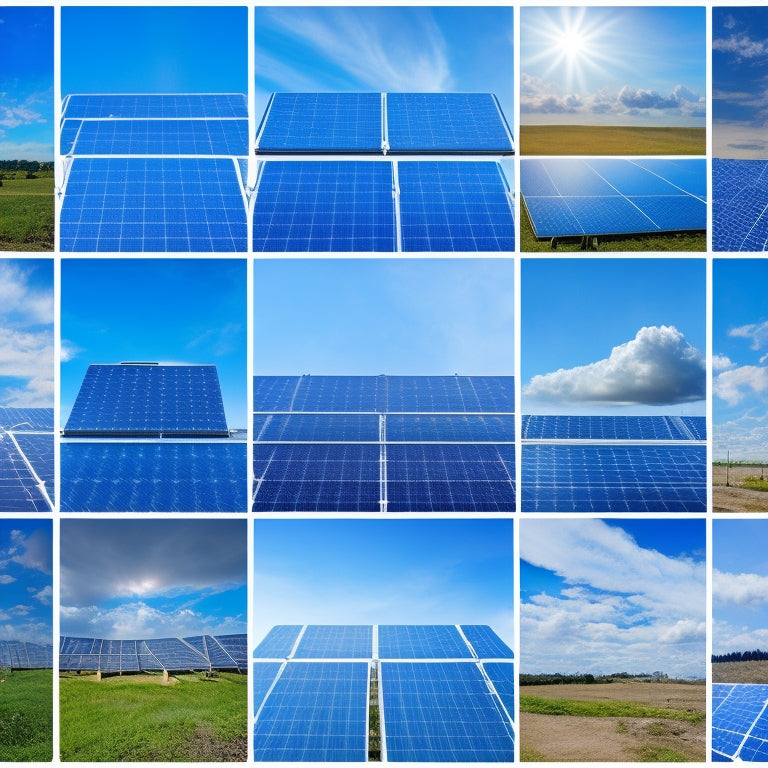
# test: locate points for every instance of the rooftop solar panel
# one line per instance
(739, 205)
(422, 641)
(327, 122)
(614, 478)
(740, 722)
(574, 197)
(446, 122)
(153, 204)
(436, 712)
(279, 642)
(485, 642)
(614, 428)
(455, 206)
(168, 106)
(149, 400)
(324, 206)
(153, 476)
(335, 642)
(316, 711)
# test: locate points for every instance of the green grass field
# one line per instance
(26, 716)
(26, 212)
(575, 708)
(610, 140)
(686, 241)
(136, 718)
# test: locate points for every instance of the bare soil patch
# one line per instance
(740, 672)
(733, 498)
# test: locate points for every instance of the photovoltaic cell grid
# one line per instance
(614, 428)
(739, 723)
(16, 654)
(574, 197)
(165, 106)
(346, 444)
(334, 642)
(739, 205)
(279, 642)
(416, 641)
(486, 643)
(149, 400)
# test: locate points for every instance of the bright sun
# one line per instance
(572, 43)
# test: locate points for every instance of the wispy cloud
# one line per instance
(757, 332)
(741, 45)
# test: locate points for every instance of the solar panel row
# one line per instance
(16, 654)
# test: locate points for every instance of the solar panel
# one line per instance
(167, 106)
(446, 122)
(68, 134)
(485, 642)
(328, 122)
(324, 206)
(19, 489)
(575, 197)
(421, 428)
(149, 400)
(153, 476)
(739, 205)
(442, 712)
(26, 419)
(264, 675)
(335, 642)
(278, 643)
(306, 427)
(317, 711)
(614, 428)
(19, 654)
(421, 641)
(455, 206)
(740, 722)
(38, 451)
(502, 675)
(614, 478)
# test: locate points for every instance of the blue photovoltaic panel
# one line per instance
(418, 428)
(451, 394)
(606, 478)
(451, 478)
(38, 450)
(18, 654)
(614, 428)
(278, 643)
(442, 712)
(153, 204)
(485, 642)
(69, 131)
(326, 122)
(153, 477)
(173, 653)
(274, 393)
(574, 197)
(19, 490)
(324, 206)
(151, 400)
(740, 722)
(446, 122)
(502, 675)
(334, 427)
(455, 206)
(739, 205)
(168, 106)
(161, 137)
(264, 675)
(234, 646)
(335, 642)
(317, 711)
(421, 641)
(27, 419)
(316, 478)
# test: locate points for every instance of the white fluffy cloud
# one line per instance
(732, 385)
(757, 332)
(657, 367)
(739, 588)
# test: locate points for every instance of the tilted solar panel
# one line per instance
(310, 427)
(235, 648)
(502, 675)
(167, 106)
(68, 134)
(740, 722)
(739, 205)
(420, 428)
(264, 674)
(20, 491)
(27, 419)
(149, 400)
(335, 642)
(279, 642)
(39, 452)
(326, 122)
(19, 654)
(485, 642)
(545, 427)
(421, 641)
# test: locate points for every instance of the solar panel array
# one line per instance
(17, 654)
(739, 205)
(578, 197)
(384, 444)
(448, 698)
(26, 460)
(614, 464)
(373, 204)
(156, 172)
(151, 438)
(739, 723)
(203, 652)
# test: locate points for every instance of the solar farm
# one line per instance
(146, 437)
(739, 202)
(614, 464)
(396, 693)
(26, 460)
(586, 198)
(18, 654)
(383, 444)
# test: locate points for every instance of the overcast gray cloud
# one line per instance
(657, 367)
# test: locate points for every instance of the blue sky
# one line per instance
(384, 49)
(739, 71)
(739, 585)
(613, 336)
(154, 50)
(394, 316)
(139, 579)
(739, 359)
(26, 333)
(26, 588)
(159, 310)
(383, 572)
(26, 83)
(613, 66)
(605, 596)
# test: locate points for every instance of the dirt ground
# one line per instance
(740, 672)
(614, 739)
(735, 499)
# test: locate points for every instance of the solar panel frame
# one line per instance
(740, 722)
(486, 643)
(546, 427)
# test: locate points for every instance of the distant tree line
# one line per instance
(31, 166)
(756, 655)
(560, 679)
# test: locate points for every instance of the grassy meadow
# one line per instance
(610, 140)
(26, 211)
(135, 718)
(26, 716)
